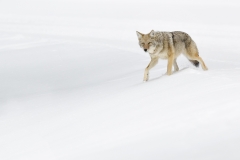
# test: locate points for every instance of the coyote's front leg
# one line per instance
(170, 61)
(152, 63)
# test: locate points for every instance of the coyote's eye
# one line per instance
(150, 43)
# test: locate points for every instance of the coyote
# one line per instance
(169, 45)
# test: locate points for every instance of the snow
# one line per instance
(71, 84)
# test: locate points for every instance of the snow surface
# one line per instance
(71, 82)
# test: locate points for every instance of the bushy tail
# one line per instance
(194, 62)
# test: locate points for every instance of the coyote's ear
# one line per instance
(139, 34)
(152, 33)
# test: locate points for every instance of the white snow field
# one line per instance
(71, 81)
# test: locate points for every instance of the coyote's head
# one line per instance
(146, 41)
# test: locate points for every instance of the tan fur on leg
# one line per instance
(170, 64)
(152, 63)
(175, 65)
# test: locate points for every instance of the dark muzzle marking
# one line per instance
(145, 50)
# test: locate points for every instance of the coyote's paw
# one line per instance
(145, 79)
(168, 73)
(205, 69)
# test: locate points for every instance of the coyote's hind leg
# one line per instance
(175, 65)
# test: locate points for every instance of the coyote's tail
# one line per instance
(194, 62)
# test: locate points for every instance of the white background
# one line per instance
(71, 81)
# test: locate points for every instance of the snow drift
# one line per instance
(71, 82)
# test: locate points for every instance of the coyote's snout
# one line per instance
(169, 45)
